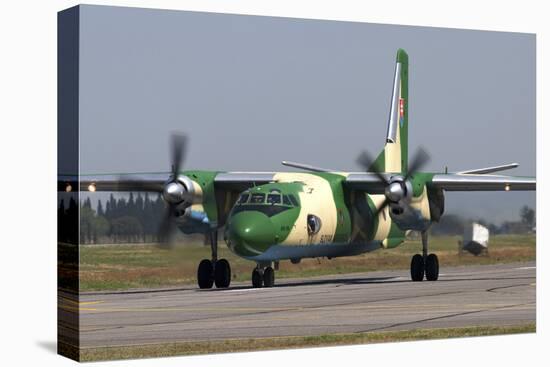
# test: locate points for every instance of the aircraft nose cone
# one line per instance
(250, 233)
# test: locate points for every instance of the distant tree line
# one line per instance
(452, 224)
(131, 220)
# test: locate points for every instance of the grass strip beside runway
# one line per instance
(134, 266)
(256, 344)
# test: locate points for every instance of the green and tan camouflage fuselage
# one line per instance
(269, 231)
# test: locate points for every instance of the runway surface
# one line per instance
(376, 301)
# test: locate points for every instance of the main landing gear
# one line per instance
(424, 264)
(263, 277)
(214, 271)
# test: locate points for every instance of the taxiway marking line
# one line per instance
(68, 300)
(409, 307)
(76, 305)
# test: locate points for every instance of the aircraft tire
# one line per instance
(417, 268)
(269, 277)
(257, 279)
(204, 274)
(222, 273)
(432, 267)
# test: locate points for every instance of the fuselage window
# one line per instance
(286, 200)
(313, 224)
(273, 199)
(257, 198)
(243, 199)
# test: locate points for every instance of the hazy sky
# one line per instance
(251, 91)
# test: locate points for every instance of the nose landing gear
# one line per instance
(432, 267)
(263, 277)
(204, 274)
(417, 268)
(222, 273)
(424, 264)
(214, 271)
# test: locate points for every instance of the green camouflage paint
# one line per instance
(205, 179)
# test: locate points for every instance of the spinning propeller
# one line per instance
(398, 187)
(175, 191)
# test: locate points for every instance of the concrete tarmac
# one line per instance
(376, 301)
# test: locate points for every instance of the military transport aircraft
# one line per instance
(274, 216)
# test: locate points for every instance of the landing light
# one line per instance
(507, 188)
(91, 187)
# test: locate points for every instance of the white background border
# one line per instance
(28, 185)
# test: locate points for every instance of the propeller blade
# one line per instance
(125, 182)
(168, 225)
(179, 145)
(420, 159)
(365, 160)
(166, 228)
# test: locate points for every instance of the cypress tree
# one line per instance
(100, 208)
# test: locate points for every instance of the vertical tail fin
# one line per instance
(394, 157)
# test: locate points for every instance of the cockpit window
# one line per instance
(273, 198)
(293, 200)
(269, 210)
(257, 198)
(243, 198)
(286, 200)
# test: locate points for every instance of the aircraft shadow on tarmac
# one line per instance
(358, 280)
(345, 281)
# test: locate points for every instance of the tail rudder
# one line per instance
(394, 157)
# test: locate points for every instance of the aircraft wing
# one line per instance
(370, 182)
(472, 182)
(150, 182)
(154, 182)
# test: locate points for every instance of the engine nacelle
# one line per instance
(436, 198)
(409, 217)
(193, 219)
(411, 213)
